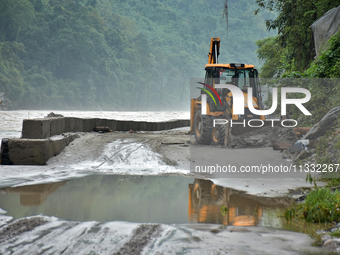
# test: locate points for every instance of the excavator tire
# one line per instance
(217, 192)
(202, 128)
(218, 135)
(221, 134)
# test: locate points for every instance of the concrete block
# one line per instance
(167, 125)
(148, 126)
(101, 122)
(112, 124)
(134, 125)
(122, 125)
(119, 125)
(181, 123)
(28, 151)
(89, 125)
(143, 126)
(57, 125)
(36, 128)
(36, 151)
(56, 146)
(73, 124)
(160, 125)
(154, 126)
(125, 125)
(47, 127)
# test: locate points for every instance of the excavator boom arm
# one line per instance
(214, 50)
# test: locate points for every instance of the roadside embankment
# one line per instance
(41, 138)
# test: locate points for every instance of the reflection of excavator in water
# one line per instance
(207, 199)
(240, 75)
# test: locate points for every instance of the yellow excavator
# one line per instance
(206, 201)
(240, 75)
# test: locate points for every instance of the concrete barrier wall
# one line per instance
(47, 127)
(36, 151)
(36, 147)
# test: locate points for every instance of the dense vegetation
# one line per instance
(291, 53)
(294, 33)
(320, 205)
(115, 54)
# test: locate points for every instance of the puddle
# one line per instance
(154, 199)
(161, 199)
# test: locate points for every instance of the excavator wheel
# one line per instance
(217, 192)
(220, 134)
(202, 127)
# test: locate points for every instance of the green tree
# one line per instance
(15, 17)
(270, 51)
(293, 26)
(11, 69)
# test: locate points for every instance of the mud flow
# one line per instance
(149, 199)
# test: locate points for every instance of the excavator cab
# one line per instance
(241, 78)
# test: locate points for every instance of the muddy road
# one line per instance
(156, 153)
(98, 196)
(67, 237)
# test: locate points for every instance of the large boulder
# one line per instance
(320, 128)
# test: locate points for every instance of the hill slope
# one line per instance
(117, 55)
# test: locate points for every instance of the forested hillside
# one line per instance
(115, 54)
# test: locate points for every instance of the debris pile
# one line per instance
(264, 137)
(53, 115)
(321, 144)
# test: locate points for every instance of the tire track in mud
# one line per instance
(141, 237)
(20, 226)
(71, 237)
(125, 151)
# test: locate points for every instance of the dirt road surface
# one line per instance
(154, 153)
